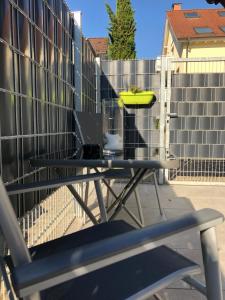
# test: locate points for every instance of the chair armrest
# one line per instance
(50, 271)
(49, 184)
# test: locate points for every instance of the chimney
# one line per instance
(176, 6)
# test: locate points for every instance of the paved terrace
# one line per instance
(178, 200)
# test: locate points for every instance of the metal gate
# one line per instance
(194, 93)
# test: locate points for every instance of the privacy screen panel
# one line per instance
(140, 124)
(88, 78)
(36, 88)
(197, 136)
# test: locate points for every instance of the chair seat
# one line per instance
(77, 239)
(80, 238)
(145, 273)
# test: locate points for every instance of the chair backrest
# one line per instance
(11, 230)
(89, 126)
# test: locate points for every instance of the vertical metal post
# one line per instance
(211, 264)
(100, 199)
(165, 95)
(162, 113)
(98, 84)
(78, 59)
(86, 193)
(107, 194)
(137, 197)
(167, 112)
(157, 194)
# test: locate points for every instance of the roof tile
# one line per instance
(183, 27)
(100, 45)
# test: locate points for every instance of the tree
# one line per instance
(122, 31)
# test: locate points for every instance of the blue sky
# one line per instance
(150, 19)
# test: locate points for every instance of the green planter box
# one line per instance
(141, 98)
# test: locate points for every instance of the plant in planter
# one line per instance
(136, 96)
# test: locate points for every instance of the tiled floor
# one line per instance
(177, 200)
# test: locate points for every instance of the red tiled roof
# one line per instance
(183, 27)
(100, 45)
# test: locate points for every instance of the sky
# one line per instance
(150, 20)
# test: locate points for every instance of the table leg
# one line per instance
(123, 200)
(124, 191)
(107, 194)
(86, 193)
(137, 197)
(101, 203)
(157, 194)
(80, 201)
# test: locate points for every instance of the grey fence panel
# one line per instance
(36, 89)
(140, 125)
(196, 137)
(89, 101)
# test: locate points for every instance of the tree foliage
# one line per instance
(121, 31)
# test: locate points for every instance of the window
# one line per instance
(203, 29)
(191, 15)
(221, 13)
(222, 28)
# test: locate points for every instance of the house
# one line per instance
(222, 2)
(194, 33)
(100, 46)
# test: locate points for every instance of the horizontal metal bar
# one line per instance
(35, 99)
(25, 176)
(12, 137)
(95, 163)
(36, 63)
(34, 24)
(129, 74)
(49, 184)
(136, 59)
(202, 59)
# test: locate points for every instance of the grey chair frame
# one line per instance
(144, 168)
(29, 278)
(16, 189)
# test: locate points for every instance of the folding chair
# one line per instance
(109, 260)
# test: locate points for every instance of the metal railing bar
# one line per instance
(41, 185)
(12, 137)
(34, 98)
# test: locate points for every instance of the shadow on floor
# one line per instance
(177, 200)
